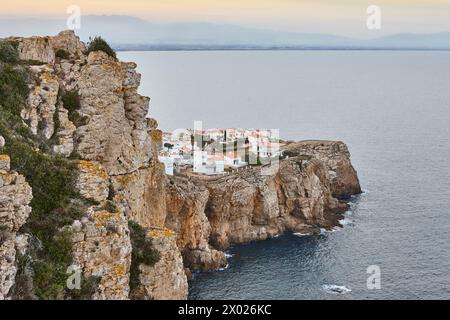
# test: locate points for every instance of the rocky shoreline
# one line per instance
(189, 221)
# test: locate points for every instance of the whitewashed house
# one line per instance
(233, 159)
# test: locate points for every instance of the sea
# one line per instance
(392, 109)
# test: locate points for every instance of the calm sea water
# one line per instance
(393, 111)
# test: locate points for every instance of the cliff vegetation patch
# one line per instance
(99, 44)
(71, 102)
(62, 54)
(8, 52)
(143, 252)
(52, 177)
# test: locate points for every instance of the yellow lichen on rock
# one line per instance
(119, 270)
(93, 168)
(125, 180)
(156, 136)
(161, 233)
(103, 217)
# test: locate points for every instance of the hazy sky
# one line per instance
(343, 17)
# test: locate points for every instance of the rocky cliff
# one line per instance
(300, 195)
(85, 106)
(132, 232)
(15, 197)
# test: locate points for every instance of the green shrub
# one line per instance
(111, 192)
(13, 87)
(55, 204)
(52, 177)
(49, 280)
(62, 54)
(142, 253)
(8, 52)
(71, 101)
(98, 44)
(32, 62)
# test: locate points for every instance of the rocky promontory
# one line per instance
(301, 195)
(81, 187)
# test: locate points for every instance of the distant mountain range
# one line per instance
(131, 33)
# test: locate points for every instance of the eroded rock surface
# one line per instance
(116, 133)
(186, 204)
(15, 197)
(166, 280)
(336, 157)
(106, 126)
(103, 249)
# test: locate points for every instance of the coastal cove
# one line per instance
(390, 108)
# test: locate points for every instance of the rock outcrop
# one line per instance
(102, 248)
(43, 49)
(15, 197)
(38, 112)
(336, 157)
(106, 126)
(156, 282)
(210, 214)
(115, 134)
(186, 205)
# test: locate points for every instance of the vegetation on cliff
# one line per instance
(8, 52)
(71, 102)
(52, 177)
(62, 54)
(99, 44)
(143, 252)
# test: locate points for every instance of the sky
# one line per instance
(340, 17)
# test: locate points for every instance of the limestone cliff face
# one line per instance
(15, 197)
(336, 158)
(115, 133)
(186, 205)
(106, 127)
(165, 280)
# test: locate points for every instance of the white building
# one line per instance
(234, 160)
(168, 164)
